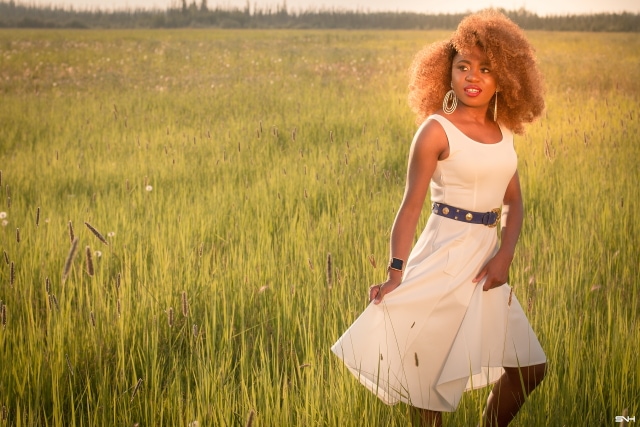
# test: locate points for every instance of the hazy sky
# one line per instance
(541, 7)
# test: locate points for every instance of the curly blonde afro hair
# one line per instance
(520, 83)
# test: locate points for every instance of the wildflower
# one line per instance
(5, 222)
(98, 254)
(148, 188)
(111, 234)
(3, 215)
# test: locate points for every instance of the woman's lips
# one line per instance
(472, 91)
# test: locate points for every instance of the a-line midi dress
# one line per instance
(438, 334)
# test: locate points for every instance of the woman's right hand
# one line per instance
(377, 292)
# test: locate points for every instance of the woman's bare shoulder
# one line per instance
(431, 138)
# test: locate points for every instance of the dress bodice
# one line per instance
(475, 175)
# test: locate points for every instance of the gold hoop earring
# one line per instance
(450, 102)
(495, 109)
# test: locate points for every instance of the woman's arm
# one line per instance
(429, 145)
(496, 271)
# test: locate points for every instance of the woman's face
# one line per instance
(473, 79)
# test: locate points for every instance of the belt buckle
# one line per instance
(497, 211)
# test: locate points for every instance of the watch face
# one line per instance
(396, 264)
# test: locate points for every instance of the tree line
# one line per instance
(194, 14)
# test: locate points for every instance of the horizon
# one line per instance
(541, 8)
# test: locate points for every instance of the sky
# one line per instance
(541, 7)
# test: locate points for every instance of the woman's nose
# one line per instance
(471, 76)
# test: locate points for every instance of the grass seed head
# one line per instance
(136, 388)
(6, 257)
(3, 316)
(372, 261)
(53, 302)
(66, 356)
(71, 234)
(96, 233)
(90, 270)
(12, 274)
(93, 319)
(18, 235)
(69, 261)
(38, 216)
(170, 317)
(329, 271)
(47, 285)
(185, 304)
(250, 418)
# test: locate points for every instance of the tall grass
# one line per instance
(221, 169)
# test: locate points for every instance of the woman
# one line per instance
(445, 320)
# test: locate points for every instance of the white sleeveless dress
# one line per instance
(438, 334)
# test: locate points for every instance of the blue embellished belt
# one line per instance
(490, 219)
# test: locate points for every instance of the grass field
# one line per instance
(245, 183)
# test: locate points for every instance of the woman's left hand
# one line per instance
(377, 292)
(495, 272)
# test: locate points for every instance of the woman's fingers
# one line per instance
(379, 295)
(480, 275)
(373, 292)
(377, 292)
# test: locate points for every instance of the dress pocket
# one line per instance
(456, 259)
